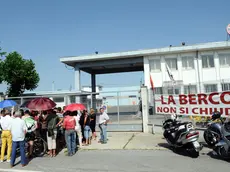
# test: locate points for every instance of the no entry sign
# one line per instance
(228, 29)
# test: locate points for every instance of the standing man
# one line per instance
(6, 135)
(31, 126)
(103, 121)
(18, 130)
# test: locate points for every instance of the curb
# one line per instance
(153, 148)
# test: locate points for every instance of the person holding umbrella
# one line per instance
(69, 125)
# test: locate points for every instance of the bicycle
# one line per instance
(39, 146)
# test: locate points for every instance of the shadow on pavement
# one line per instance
(178, 151)
(213, 155)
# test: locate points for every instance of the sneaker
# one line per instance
(8, 161)
(1, 161)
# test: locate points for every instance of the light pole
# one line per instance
(198, 70)
(53, 86)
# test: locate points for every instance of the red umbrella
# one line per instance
(75, 107)
(42, 103)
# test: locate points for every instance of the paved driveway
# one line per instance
(124, 161)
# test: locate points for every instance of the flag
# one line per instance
(169, 73)
(151, 82)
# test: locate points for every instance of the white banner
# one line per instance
(193, 104)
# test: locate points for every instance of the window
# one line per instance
(187, 62)
(224, 59)
(176, 91)
(225, 86)
(155, 65)
(58, 99)
(210, 88)
(190, 89)
(207, 61)
(158, 90)
(172, 63)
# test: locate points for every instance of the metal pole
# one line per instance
(173, 88)
(53, 86)
(189, 88)
(21, 102)
(91, 101)
(118, 108)
(198, 70)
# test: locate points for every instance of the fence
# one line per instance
(121, 106)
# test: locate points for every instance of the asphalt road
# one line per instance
(124, 161)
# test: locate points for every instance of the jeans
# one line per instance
(21, 145)
(6, 140)
(87, 132)
(70, 138)
(103, 132)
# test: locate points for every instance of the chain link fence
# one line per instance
(121, 106)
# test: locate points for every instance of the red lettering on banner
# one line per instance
(210, 98)
(162, 100)
(192, 104)
(192, 99)
(166, 110)
(222, 97)
(194, 110)
(183, 99)
(227, 111)
(203, 111)
(186, 110)
(171, 100)
(182, 110)
(202, 98)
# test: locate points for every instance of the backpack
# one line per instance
(51, 126)
(52, 123)
(30, 124)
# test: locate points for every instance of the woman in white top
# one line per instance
(78, 128)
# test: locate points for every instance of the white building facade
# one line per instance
(200, 68)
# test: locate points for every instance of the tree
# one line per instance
(2, 53)
(19, 74)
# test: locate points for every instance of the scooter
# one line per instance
(222, 148)
(182, 135)
(212, 134)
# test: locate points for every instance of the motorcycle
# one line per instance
(222, 148)
(212, 134)
(182, 135)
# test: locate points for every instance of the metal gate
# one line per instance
(122, 108)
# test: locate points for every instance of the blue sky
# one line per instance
(47, 30)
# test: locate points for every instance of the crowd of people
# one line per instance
(58, 128)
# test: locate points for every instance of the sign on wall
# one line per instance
(228, 29)
(193, 104)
